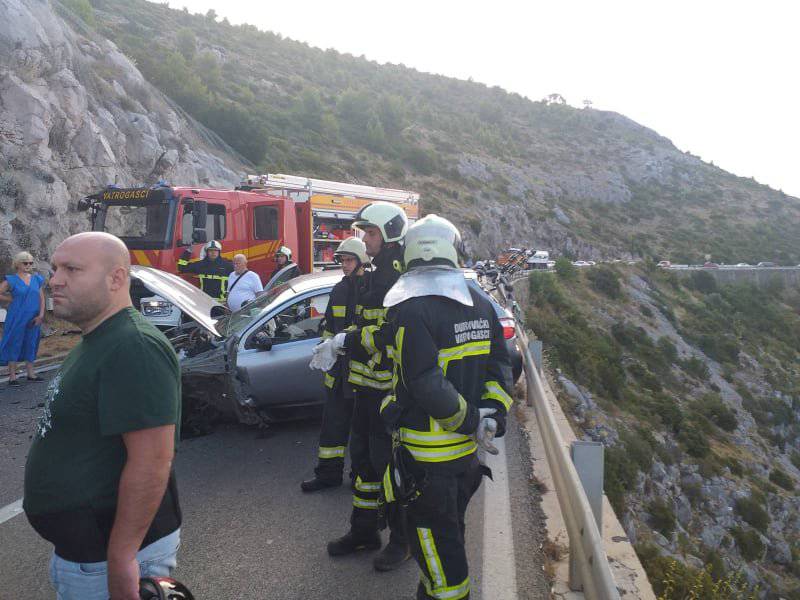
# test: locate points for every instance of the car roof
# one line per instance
(315, 281)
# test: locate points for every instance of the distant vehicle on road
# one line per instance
(664, 264)
(581, 263)
(252, 365)
(741, 265)
(766, 264)
(710, 265)
(539, 260)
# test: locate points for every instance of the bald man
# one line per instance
(98, 481)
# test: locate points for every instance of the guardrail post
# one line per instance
(535, 346)
(588, 460)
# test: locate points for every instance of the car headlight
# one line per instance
(156, 308)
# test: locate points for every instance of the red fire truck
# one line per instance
(310, 216)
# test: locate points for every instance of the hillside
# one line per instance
(509, 171)
(694, 388)
(68, 127)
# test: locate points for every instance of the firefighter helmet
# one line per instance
(433, 240)
(213, 245)
(163, 588)
(388, 217)
(353, 247)
(284, 251)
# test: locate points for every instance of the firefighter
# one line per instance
(452, 393)
(212, 270)
(340, 314)
(285, 269)
(384, 225)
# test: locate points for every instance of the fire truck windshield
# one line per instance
(139, 225)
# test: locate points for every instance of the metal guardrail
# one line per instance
(591, 571)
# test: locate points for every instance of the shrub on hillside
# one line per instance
(714, 409)
(779, 477)
(696, 367)
(703, 281)
(606, 281)
(565, 268)
(694, 440)
(752, 511)
(83, 9)
(662, 517)
(667, 349)
(749, 543)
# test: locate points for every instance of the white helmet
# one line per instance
(213, 245)
(433, 240)
(388, 217)
(285, 250)
(352, 246)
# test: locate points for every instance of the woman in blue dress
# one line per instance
(20, 342)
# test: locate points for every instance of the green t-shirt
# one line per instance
(123, 376)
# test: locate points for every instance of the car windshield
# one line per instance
(239, 320)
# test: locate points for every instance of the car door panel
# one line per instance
(281, 376)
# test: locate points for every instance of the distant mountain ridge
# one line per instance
(588, 183)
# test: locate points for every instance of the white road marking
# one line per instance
(499, 581)
(10, 511)
(4, 379)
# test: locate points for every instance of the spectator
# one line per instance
(98, 481)
(243, 285)
(20, 342)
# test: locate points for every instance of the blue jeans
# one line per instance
(89, 581)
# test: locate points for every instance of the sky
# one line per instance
(720, 79)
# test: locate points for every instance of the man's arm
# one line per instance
(498, 384)
(141, 489)
(5, 296)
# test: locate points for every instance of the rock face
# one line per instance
(76, 115)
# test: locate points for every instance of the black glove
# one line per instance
(500, 417)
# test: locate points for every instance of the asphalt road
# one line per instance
(250, 533)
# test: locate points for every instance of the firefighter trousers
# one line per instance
(334, 434)
(436, 528)
(370, 451)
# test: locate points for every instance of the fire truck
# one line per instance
(263, 213)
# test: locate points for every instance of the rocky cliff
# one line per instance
(76, 115)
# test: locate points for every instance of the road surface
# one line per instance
(250, 533)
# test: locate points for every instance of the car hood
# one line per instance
(191, 300)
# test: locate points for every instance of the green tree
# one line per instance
(391, 114)
(565, 268)
(187, 44)
(309, 111)
(208, 68)
(83, 9)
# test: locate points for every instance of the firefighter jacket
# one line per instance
(213, 274)
(450, 360)
(339, 315)
(370, 367)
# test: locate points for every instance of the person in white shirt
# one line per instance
(240, 292)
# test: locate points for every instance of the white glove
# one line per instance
(325, 353)
(487, 428)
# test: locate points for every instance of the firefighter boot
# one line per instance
(393, 555)
(352, 542)
(316, 483)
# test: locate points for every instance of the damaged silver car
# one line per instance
(250, 365)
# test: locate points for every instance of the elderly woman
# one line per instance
(20, 342)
